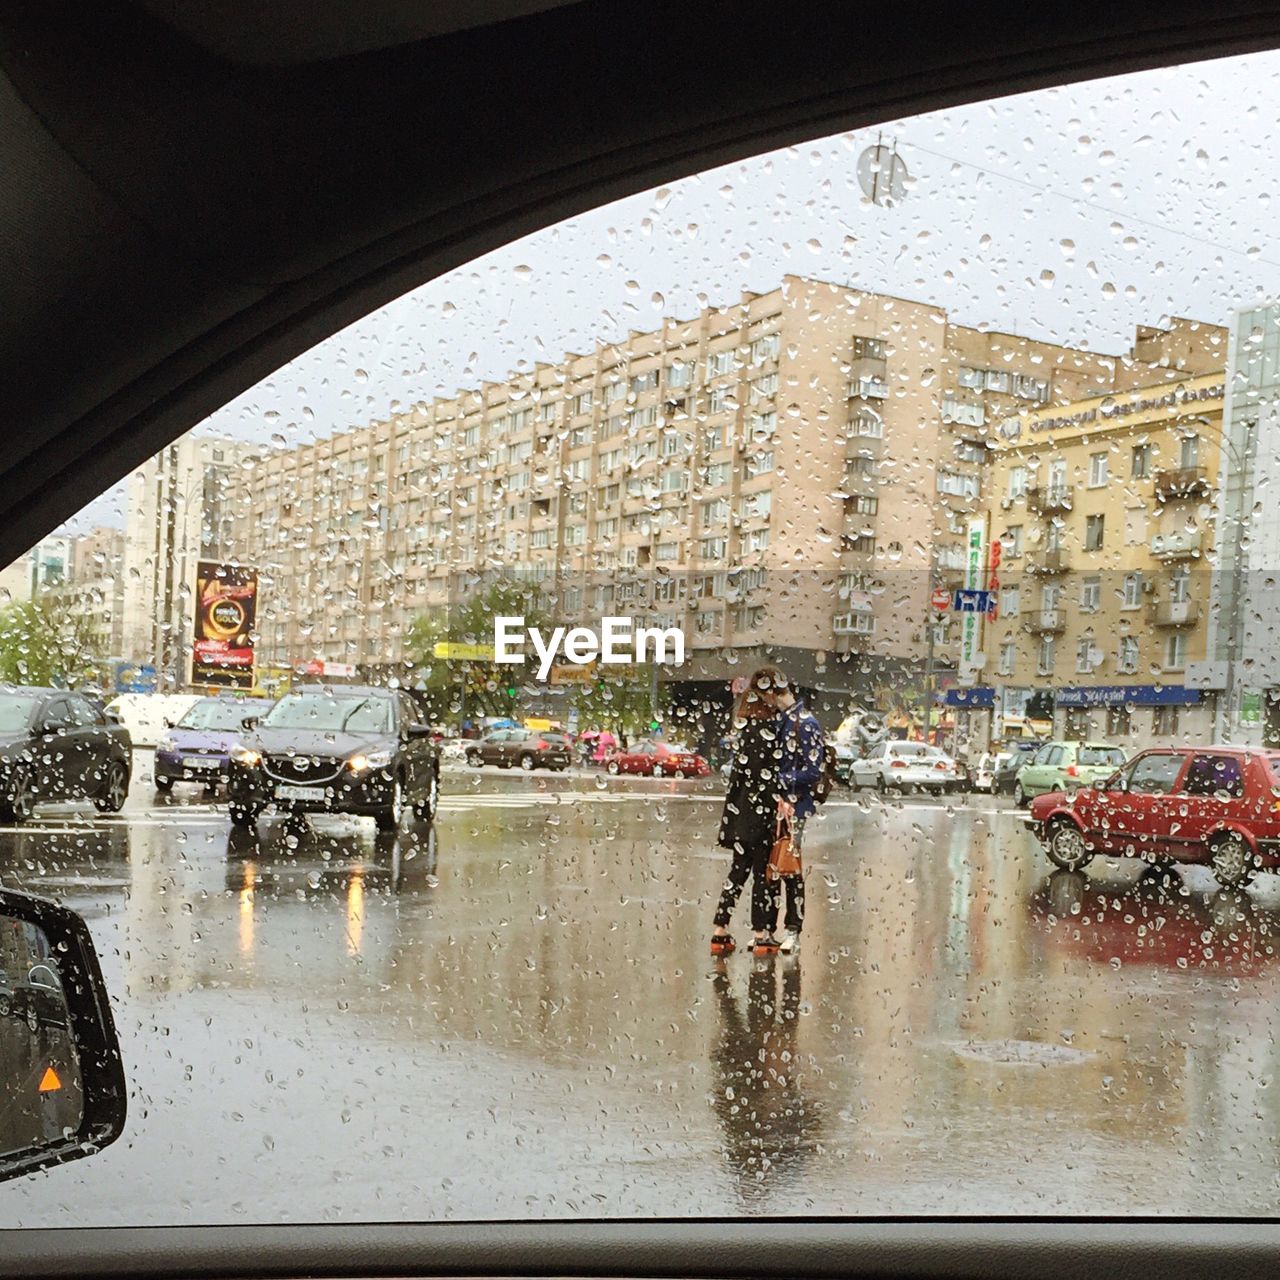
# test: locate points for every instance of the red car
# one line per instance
(657, 759)
(1214, 805)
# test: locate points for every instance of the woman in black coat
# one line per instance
(748, 823)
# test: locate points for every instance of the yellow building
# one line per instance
(1103, 510)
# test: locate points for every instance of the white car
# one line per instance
(984, 776)
(148, 715)
(903, 766)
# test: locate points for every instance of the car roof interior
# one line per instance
(196, 191)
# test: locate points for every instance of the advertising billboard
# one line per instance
(226, 607)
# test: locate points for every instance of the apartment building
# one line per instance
(1103, 510)
(786, 478)
(95, 588)
(184, 505)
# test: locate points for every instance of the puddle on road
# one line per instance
(1020, 1053)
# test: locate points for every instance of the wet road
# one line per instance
(513, 1014)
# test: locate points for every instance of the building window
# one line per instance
(712, 548)
(1127, 661)
(1098, 464)
(1164, 723)
(1058, 479)
(1093, 526)
(614, 391)
(1012, 538)
(765, 347)
(1180, 586)
(714, 439)
(866, 506)
(958, 484)
(871, 388)
(1189, 452)
(763, 425)
(1140, 462)
(679, 374)
(963, 411)
(1086, 656)
(721, 400)
(757, 540)
(758, 464)
(1029, 388)
(868, 349)
(764, 387)
(1175, 651)
(672, 445)
(719, 362)
(1010, 602)
(1017, 482)
(1132, 597)
(641, 382)
(667, 551)
(1046, 656)
(1118, 721)
(1091, 595)
(1008, 656)
(862, 542)
(998, 380)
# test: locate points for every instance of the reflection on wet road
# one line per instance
(513, 1014)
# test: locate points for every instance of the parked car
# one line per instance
(147, 716)
(56, 746)
(902, 766)
(845, 757)
(453, 750)
(337, 749)
(1213, 805)
(986, 770)
(657, 759)
(525, 747)
(38, 1001)
(198, 747)
(1064, 766)
(1015, 754)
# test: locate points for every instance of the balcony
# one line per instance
(1186, 545)
(1181, 482)
(1048, 501)
(1049, 562)
(1049, 622)
(1174, 613)
(869, 387)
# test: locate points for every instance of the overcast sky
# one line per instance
(1070, 215)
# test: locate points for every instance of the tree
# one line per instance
(44, 643)
(620, 700)
(471, 688)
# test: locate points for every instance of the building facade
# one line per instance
(183, 506)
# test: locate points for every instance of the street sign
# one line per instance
(971, 600)
(941, 598)
(453, 651)
(131, 677)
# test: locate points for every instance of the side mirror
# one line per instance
(112, 715)
(169, 723)
(249, 722)
(64, 1090)
(1115, 783)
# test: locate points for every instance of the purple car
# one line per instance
(196, 749)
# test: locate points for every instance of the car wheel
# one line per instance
(33, 1019)
(1066, 846)
(528, 763)
(21, 802)
(678, 773)
(242, 815)
(1020, 797)
(164, 784)
(425, 810)
(391, 815)
(5, 1006)
(1233, 862)
(115, 790)
(473, 759)
(613, 766)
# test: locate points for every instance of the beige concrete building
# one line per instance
(1104, 511)
(785, 477)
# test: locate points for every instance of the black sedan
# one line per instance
(56, 745)
(343, 749)
(1007, 771)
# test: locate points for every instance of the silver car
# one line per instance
(906, 766)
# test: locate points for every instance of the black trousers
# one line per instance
(794, 887)
(750, 861)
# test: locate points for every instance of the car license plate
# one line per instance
(199, 762)
(284, 792)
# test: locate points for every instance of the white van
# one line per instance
(148, 715)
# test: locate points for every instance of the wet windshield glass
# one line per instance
(841, 471)
(217, 714)
(330, 715)
(15, 712)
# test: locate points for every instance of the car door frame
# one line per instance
(55, 755)
(1157, 806)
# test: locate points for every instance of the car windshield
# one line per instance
(220, 714)
(16, 710)
(323, 714)
(943, 438)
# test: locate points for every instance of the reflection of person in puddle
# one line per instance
(770, 1127)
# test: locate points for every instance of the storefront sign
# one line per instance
(971, 623)
(1138, 695)
(979, 696)
(1251, 707)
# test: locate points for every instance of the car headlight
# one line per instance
(246, 756)
(367, 760)
(166, 744)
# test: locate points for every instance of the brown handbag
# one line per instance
(784, 857)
